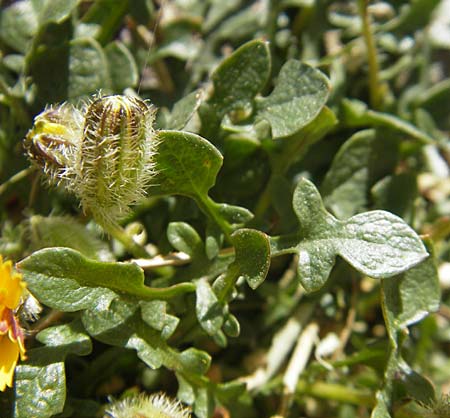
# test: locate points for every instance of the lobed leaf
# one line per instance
(376, 243)
(299, 95)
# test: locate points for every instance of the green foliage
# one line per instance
(301, 151)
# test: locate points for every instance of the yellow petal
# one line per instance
(9, 354)
(11, 285)
(5, 272)
(15, 291)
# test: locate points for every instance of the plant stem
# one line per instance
(374, 82)
(16, 178)
(132, 246)
(210, 208)
(229, 282)
(336, 392)
(165, 293)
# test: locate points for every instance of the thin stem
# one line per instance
(16, 178)
(374, 82)
(229, 281)
(166, 293)
(132, 246)
(210, 208)
(336, 392)
(53, 317)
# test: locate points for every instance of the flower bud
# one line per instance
(52, 142)
(114, 160)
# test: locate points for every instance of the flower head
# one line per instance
(52, 142)
(12, 289)
(102, 153)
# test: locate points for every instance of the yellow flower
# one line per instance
(11, 335)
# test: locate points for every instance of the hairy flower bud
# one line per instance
(114, 156)
(103, 154)
(52, 142)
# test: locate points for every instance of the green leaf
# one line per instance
(200, 397)
(53, 11)
(376, 243)
(88, 68)
(295, 147)
(186, 164)
(184, 238)
(415, 385)
(47, 63)
(231, 326)
(412, 295)
(236, 81)
(397, 194)
(122, 67)
(252, 255)
(184, 110)
(107, 18)
(434, 99)
(18, 24)
(356, 166)
(204, 403)
(406, 299)
(43, 373)
(240, 77)
(62, 231)
(415, 15)
(62, 68)
(217, 11)
(120, 324)
(209, 310)
(52, 275)
(48, 382)
(234, 215)
(356, 114)
(64, 279)
(68, 339)
(155, 314)
(195, 360)
(299, 95)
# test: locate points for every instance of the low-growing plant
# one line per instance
(224, 209)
